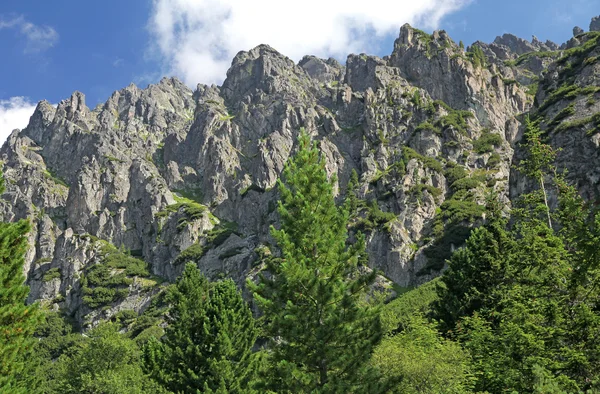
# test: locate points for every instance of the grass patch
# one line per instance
(55, 178)
(190, 208)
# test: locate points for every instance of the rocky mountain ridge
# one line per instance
(121, 196)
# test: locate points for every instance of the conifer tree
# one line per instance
(539, 161)
(17, 320)
(314, 300)
(207, 346)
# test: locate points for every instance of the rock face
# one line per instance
(595, 24)
(170, 175)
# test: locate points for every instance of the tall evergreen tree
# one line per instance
(17, 320)
(314, 299)
(540, 160)
(477, 275)
(207, 346)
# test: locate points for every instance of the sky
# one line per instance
(50, 49)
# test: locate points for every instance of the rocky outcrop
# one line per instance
(172, 175)
(595, 24)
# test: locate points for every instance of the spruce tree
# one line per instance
(17, 320)
(207, 346)
(323, 330)
(539, 161)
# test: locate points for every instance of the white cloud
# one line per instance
(14, 114)
(38, 38)
(198, 38)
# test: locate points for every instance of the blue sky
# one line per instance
(51, 49)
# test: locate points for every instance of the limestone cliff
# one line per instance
(165, 175)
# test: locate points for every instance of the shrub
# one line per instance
(487, 142)
(51, 274)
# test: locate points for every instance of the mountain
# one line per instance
(121, 196)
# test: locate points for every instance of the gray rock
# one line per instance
(577, 31)
(130, 171)
(595, 24)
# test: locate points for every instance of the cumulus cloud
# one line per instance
(37, 38)
(14, 114)
(198, 38)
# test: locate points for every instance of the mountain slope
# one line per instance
(165, 175)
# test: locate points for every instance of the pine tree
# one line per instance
(539, 161)
(208, 343)
(477, 275)
(314, 300)
(17, 320)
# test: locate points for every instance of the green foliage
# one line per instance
(458, 209)
(115, 258)
(487, 142)
(55, 178)
(523, 299)
(564, 113)
(193, 254)
(477, 57)
(452, 224)
(396, 315)
(494, 160)
(532, 89)
(455, 119)
(574, 58)
(452, 237)
(51, 274)
(314, 303)
(418, 189)
(428, 162)
(416, 98)
(473, 272)
(592, 123)
(466, 183)
(436, 105)
(424, 362)
(190, 208)
(539, 161)
(109, 281)
(207, 346)
(17, 320)
(427, 126)
(102, 362)
(541, 55)
(566, 92)
(455, 172)
(226, 118)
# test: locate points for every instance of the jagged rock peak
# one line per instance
(521, 46)
(595, 24)
(263, 69)
(322, 70)
(75, 103)
(577, 31)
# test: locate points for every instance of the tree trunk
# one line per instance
(323, 373)
(545, 200)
